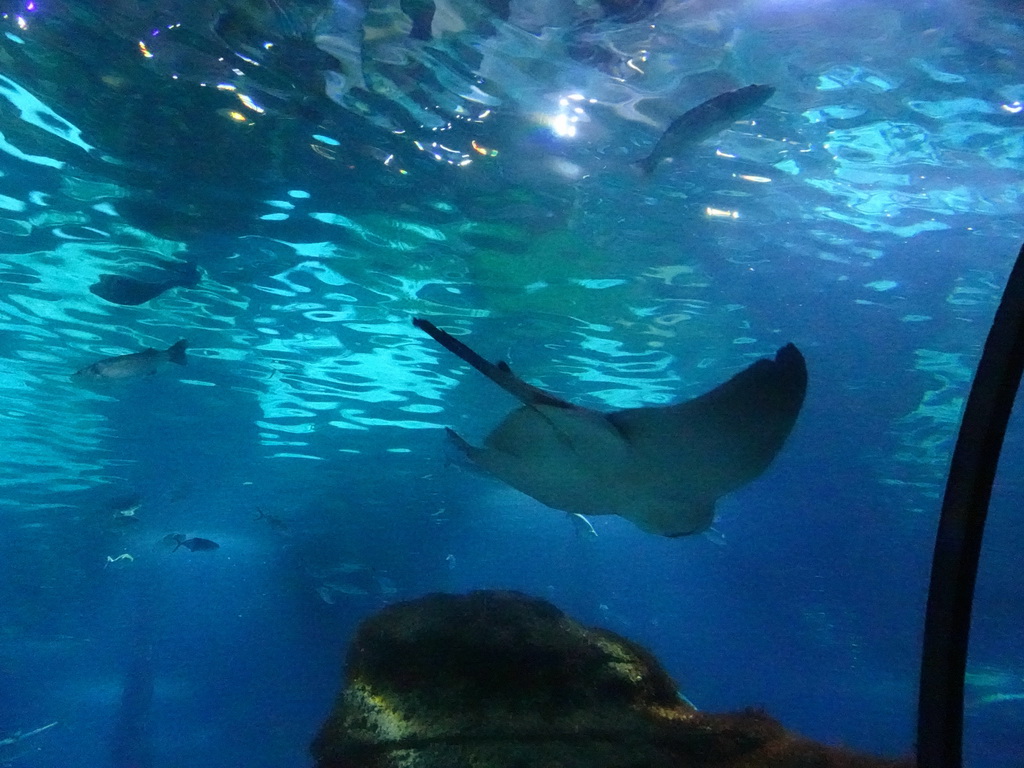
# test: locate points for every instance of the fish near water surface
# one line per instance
(704, 121)
(133, 366)
(132, 291)
(663, 468)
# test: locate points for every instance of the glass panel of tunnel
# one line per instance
(659, 314)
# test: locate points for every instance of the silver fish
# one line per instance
(704, 121)
(135, 365)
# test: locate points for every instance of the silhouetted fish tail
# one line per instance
(190, 275)
(176, 352)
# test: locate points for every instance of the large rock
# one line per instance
(499, 679)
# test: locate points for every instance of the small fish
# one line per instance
(19, 735)
(704, 121)
(131, 291)
(346, 589)
(273, 521)
(118, 559)
(133, 366)
(326, 594)
(193, 545)
(584, 528)
(128, 512)
(715, 536)
(126, 515)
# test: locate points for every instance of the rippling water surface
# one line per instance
(334, 170)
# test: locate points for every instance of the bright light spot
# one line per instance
(1014, 108)
(566, 169)
(755, 179)
(22, 24)
(250, 104)
(225, 87)
(238, 117)
(478, 148)
(720, 153)
(562, 126)
(145, 50)
(719, 213)
(564, 122)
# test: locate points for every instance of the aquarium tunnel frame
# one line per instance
(961, 528)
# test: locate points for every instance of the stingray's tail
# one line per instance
(500, 374)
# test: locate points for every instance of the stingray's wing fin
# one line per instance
(735, 430)
(499, 373)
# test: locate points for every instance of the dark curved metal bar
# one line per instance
(961, 525)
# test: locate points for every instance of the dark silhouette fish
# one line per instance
(704, 121)
(272, 520)
(131, 291)
(193, 545)
(135, 365)
(660, 467)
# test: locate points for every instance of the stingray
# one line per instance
(661, 467)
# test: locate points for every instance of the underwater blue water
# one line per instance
(480, 176)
